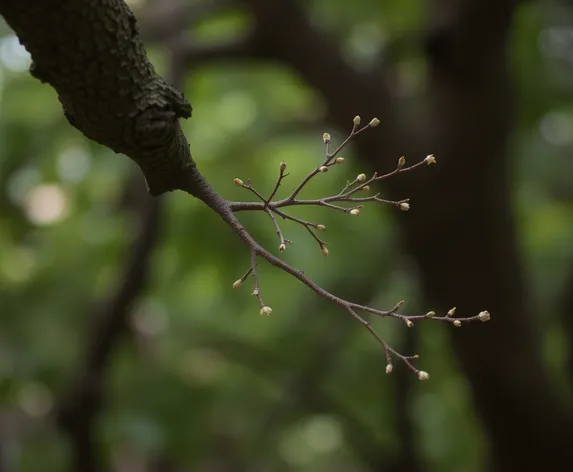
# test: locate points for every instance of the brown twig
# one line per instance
(227, 209)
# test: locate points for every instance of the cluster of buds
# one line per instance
(347, 195)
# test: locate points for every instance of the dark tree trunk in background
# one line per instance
(460, 229)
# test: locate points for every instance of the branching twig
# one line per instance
(360, 183)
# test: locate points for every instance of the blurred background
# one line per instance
(123, 346)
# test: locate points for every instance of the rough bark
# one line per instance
(90, 52)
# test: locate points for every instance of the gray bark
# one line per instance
(90, 52)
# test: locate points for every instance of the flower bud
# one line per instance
(323, 169)
(282, 247)
(401, 161)
(266, 311)
(404, 206)
(361, 178)
(423, 375)
(430, 314)
(356, 120)
(389, 368)
(355, 212)
(374, 122)
(430, 159)
(238, 182)
(339, 160)
(321, 227)
(366, 188)
(409, 323)
(452, 311)
(326, 138)
(324, 251)
(237, 283)
(484, 316)
(457, 323)
(282, 166)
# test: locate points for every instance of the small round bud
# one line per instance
(323, 169)
(321, 227)
(374, 122)
(457, 323)
(282, 247)
(282, 166)
(389, 368)
(366, 188)
(255, 292)
(326, 138)
(238, 182)
(452, 311)
(430, 159)
(237, 283)
(423, 375)
(324, 251)
(404, 206)
(356, 120)
(484, 316)
(339, 160)
(355, 212)
(266, 311)
(361, 178)
(430, 314)
(409, 323)
(401, 161)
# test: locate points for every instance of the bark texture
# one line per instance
(90, 52)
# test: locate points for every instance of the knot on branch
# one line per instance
(155, 125)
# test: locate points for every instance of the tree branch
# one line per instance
(77, 412)
(90, 52)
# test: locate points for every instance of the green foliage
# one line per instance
(203, 372)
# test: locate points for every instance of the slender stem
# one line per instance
(282, 175)
(277, 227)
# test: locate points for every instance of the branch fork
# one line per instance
(337, 202)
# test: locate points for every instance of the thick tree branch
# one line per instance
(90, 52)
(77, 412)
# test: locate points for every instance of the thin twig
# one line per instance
(282, 175)
(256, 290)
(360, 183)
(282, 246)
